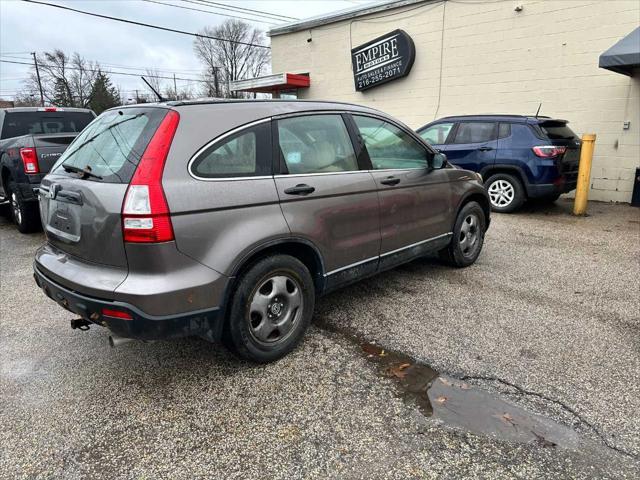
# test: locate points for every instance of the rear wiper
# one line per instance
(86, 172)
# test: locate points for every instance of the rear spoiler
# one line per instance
(541, 121)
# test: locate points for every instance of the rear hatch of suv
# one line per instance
(556, 133)
(81, 200)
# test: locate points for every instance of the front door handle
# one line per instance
(300, 189)
(390, 181)
(485, 149)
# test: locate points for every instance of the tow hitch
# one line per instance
(80, 324)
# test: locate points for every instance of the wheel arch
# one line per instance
(475, 196)
(5, 174)
(518, 172)
(299, 248)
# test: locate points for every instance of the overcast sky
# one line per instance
(26, 27)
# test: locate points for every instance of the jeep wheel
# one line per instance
(468, 237)
(506, 193)
(25, 214)
(271, 309)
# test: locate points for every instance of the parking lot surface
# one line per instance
(546, 323)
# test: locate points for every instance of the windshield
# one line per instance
(17, 124)
(112, 145)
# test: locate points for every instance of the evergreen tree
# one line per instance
(61, 94)
(103, 94)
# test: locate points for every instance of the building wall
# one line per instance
(477, 57)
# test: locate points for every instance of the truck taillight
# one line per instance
(29, 160)
(145, 212)
(549, 151)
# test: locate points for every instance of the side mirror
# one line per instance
(439, 160)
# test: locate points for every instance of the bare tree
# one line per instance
(27, 99)
(66, 81)
(234, 57)
(183, 93)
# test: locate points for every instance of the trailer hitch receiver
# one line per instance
(80, 324)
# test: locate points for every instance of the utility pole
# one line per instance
(175, 88)
(137, 98)
(35, 62)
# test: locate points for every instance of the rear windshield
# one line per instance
(17, 124)
(556, 131)
(113, 144)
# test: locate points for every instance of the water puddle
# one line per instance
(460, 405)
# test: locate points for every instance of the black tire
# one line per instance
(459, 254)
(25, 214)
(245, 331)
(506, 193)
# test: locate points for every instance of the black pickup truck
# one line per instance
(31, 141)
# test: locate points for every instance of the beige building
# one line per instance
(474, 56)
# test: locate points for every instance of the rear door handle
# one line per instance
(300, 189)
(390, 181)
(485, 149)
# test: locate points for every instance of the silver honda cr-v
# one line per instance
(227, 219)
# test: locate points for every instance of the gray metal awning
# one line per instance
(624, 56)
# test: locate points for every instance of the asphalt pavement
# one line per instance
(533, 354)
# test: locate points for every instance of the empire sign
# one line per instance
(382, 60)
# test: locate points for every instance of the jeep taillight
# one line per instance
(29, 160)
(145, 212)
(549, 151)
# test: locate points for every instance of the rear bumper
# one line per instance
(142, 326)
(561, 185)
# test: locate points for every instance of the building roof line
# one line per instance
(340, 15)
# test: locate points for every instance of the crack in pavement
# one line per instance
(522, 391)
(357, 339)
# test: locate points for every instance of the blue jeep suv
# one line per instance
(519, 157)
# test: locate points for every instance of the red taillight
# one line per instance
(145, 212)
(29, 160)
(110, 312)
(549, 151)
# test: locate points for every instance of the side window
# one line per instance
(436, 134)
(316, 144)
(504, 130)
(388, 146)
(235, 156)
(475, 132)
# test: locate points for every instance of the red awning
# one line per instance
(272, 83)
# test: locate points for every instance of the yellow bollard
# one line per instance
(584, 174)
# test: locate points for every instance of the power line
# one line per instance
(157, 27)
(107, 72)
(207, 11)
(261, 13)
(126, 67)
(13, 53)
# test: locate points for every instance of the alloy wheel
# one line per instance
(15, 207)
(469, 233)
(275, 309)
(501, 193)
